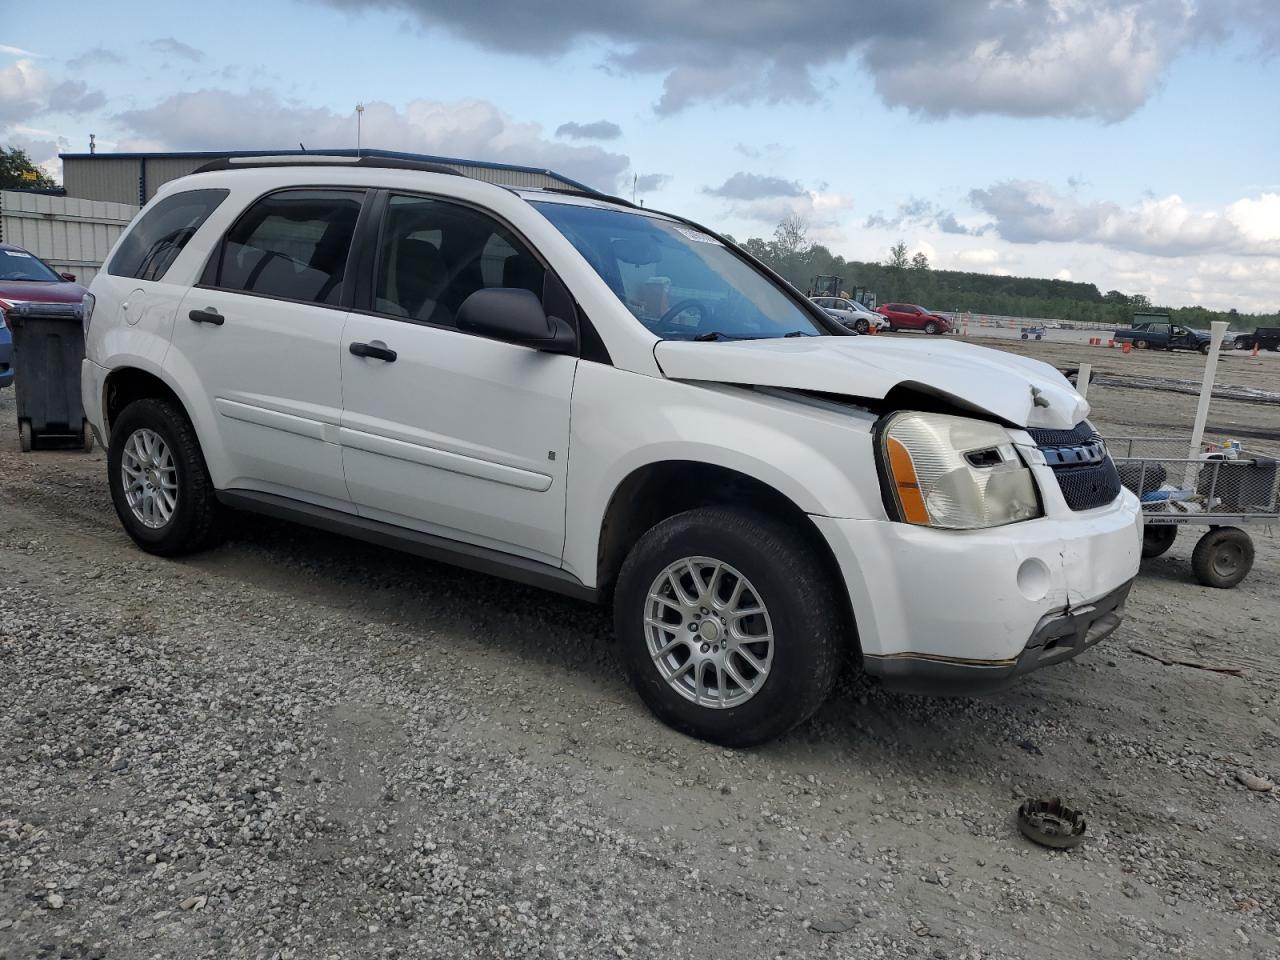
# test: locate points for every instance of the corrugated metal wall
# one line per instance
(69, 234)
(119, 179)
(113, 179)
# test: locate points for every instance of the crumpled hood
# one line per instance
(997, 383)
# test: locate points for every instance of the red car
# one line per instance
(25, 278)
(909, 316)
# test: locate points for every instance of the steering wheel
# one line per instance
(665, 320)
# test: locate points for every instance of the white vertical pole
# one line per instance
(1216, 330)
(1082, 379)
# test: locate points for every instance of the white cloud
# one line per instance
(472, 129)
(1031, 212)
(1063, 274)
(27, 89)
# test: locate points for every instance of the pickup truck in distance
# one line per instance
(1268, 338)
(1161, 335)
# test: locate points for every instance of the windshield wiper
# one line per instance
(713, 335)
(796, 333)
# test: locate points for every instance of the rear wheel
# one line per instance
(1223, 557)
(727, 625)
(160, 485)
(1158, 539)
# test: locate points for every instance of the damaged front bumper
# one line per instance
(1058, 637)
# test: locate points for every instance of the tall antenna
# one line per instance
(634, 178)
(359, 119)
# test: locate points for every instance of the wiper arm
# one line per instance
(796, 333)
(713, 335)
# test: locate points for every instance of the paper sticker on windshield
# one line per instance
(697, 236)
(19, 253)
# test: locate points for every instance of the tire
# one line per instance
(930, 327)
(1139, 344)
(1158, 539)
(1223, 557)
(861, 326)
(1204, 348)
(24, 435)
(86, 437)
(788, 580)
(191, 523)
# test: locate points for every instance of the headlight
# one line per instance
(86, 310)
(953, 472)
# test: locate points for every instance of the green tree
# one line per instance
(920, 262)
(17, 172)
(898, 256)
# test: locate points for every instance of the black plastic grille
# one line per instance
(1084, 485)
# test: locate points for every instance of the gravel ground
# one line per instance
(299, 746)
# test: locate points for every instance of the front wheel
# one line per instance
(727, 625)
(1157, 539)
(1139, 344)
(159, 483)
(930, 327)
(1204, 348)
(861, 326)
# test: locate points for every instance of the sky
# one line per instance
(1134, 144)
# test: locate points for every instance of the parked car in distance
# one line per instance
(910, 316)
(430, 362)
(1265, 338)
(1161, 335)
(854, 315)
(25, 278)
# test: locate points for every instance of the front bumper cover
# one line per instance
(1057, 637)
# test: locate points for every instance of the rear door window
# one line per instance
(154, 242)
(292, 245)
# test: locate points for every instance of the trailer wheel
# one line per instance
(24, 435)
(1157, 539)
(1223, 557)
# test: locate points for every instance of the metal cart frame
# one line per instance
(1217, 493)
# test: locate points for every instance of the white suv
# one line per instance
(615, 403)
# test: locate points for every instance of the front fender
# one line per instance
(819, 456)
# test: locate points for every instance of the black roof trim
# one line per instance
(324, 160)
(592, 194)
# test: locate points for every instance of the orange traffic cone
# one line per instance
(1255, 351)
(1128, 347)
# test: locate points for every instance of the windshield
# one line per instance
(681, 283)
(20, 265)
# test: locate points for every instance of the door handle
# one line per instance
(375, 351)
(208, 315)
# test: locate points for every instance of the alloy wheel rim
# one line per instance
(708, 632)
(150, 478)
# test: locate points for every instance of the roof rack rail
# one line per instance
(575, 192)
(325, 159)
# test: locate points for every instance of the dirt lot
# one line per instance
(297, 746)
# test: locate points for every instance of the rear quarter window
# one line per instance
(156, 239)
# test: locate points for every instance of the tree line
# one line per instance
(909, 278)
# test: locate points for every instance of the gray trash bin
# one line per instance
(48, 345)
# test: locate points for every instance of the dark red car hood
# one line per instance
(34, 291)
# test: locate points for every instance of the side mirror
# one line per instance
(69, 277)
(516, 316)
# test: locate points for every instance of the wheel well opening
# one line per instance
(125, 386)
(661, 490)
